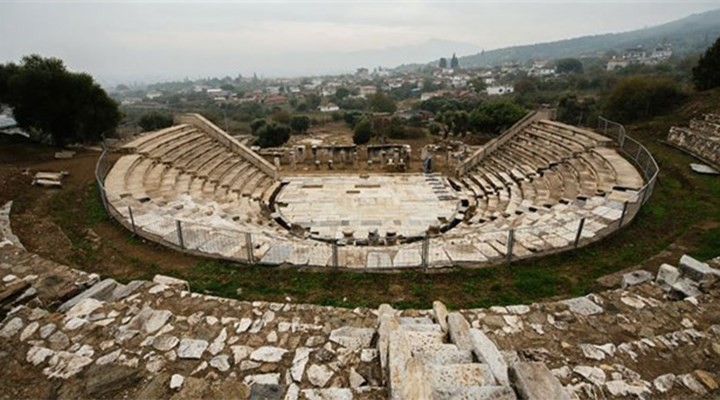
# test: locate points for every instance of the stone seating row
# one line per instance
(185, 161)
(548, 164)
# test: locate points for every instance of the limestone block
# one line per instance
(534, 381)
(635, 278)
(459, 330)
(268, 354)
(441, 315)
(583, 306)
(172, 282)
(352, 338)
(698, 271)
(399, 354)
(417, 384)
(192, 348)
(667, 274)
(487, 352)
(449, 378)
(684, 287)
(102, 290)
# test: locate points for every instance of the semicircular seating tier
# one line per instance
(539, 182)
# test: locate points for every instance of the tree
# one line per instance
(379, 102)
(273, 135)
(351, 118)
(281, 116)
(341, 93)
(63, 105)
(575, 111)
(313, 101)
(478, 84)
(300, 123)
(495, 117)
(256, 125)
(454, 62)
(569, 66)
(153, 121)
(640, 97)
(442, 63)
(706, 75)
(363, 131)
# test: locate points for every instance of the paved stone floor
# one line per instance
(406, 204)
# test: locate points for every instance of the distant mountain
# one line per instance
(395, 55)
(692, 34)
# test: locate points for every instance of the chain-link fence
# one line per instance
(567, 227)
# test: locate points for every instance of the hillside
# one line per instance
(688, 35)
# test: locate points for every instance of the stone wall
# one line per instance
(701, 138)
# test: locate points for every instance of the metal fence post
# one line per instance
(249, 246)
(335, 260)
(510, 244)
(579, 232)
(622, 216)
(132, 220)
(425, 255)
(178, 228)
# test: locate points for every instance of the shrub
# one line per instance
(154, 120)
(363, 131)
(273, 135)
(641, 97)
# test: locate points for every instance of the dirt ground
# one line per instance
(37, 211)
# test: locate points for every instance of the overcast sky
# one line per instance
(141, 41)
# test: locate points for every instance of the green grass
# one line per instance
(709, 242)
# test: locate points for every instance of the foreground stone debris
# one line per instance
(75, 335)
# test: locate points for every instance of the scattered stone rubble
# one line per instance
(49, 179)
(658, 336)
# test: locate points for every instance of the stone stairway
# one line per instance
(444, 358)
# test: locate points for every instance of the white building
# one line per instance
(499, 90)
(366, 91)
(330, 107)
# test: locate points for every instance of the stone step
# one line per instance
(453, 376)
(444, 354)
(476, 393)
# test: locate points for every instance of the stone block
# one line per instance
(698, 271)
(441, 315)
(399, 354)
(534, 381)
(684, 287)
(487, 352)
(459, 330)
(172, 282)
(352, 338)
(667, 274)
(635, 278)
(102, 290)
(583, 306)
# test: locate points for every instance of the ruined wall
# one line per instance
(701, 138)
